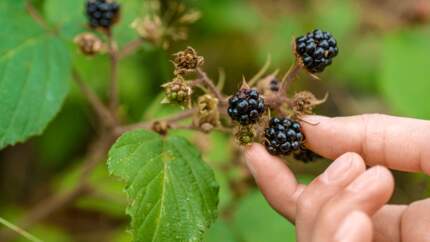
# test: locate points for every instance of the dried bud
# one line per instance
(190, 17)
(187, 61)
(245, 135)
(178, 91)
(207, 116)
(89, 43)
(160, 127)
(304, 102)
(149, 28)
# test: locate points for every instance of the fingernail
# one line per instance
(366, 180)
(347, 227)
(337, 170)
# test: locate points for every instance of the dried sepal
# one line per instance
(89, 44)
(178, 91)
(149, 28)
(245, 84)
(160, 127)
(187, 61)
(304, 102)
(190, 17)
(207, 116)
(245, 134)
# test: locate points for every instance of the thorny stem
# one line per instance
(290, 76)
(36, 16)
(192, 127)
(101, 110)
(113, 93)
(130, 48)
(212, 88)
(148, 124)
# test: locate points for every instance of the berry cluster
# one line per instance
(317, 50)
(274, 85)
(178, 91)
(283, 136)
(306, 155)
(246, 106)
(102, 13)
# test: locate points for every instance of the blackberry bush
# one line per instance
(139, 151)
(283, 136)
(316, 50)
(246, 106)
(102, 13)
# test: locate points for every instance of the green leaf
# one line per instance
(173, 193)
(34, 72)
(67, 15)
(256, 221)
(405, 71)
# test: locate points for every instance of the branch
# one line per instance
(57, 201)
(289, 77)
(101, 110)
(212, 88)
(38, 18)
(113, 93)
(148, 124)
(130, 48)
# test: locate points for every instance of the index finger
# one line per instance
(398, 143)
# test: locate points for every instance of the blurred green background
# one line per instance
(383, 67)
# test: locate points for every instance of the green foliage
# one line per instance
(256, 221)
(107, 196)
(220, 231)
(279, 46)
(405, 72)
(337, 16)
(173, 194)
(224, 15)
(34, 72)
(67, 16)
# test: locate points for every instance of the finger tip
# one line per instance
(254, 149)
(312, 120)
(356, 160)
(388, 176)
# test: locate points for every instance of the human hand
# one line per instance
(347, 202)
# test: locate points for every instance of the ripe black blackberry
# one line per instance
(283, 136)
(102, 13)
(246, 106)
(317, 50)
(306, 155)
(274, 85)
